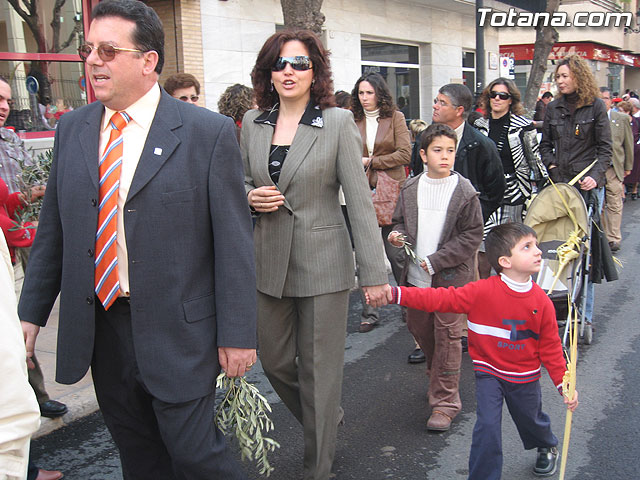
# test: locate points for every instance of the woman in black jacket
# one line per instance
(576, 128)
(576, 134)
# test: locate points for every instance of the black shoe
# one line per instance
(417, 356)
(614, 246)
(53, 409)
(546, 462)
(465, 344)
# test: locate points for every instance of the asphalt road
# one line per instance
(384, 399)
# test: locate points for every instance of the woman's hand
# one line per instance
(587, 183)
(265, 199)
(396, 239)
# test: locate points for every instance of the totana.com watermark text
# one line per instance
(513, 18)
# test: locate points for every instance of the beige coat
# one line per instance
(19, 412)
(621, 143)
(303, 249)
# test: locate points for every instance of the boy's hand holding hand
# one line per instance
(396, 239)
(572, 404)
(378, 295)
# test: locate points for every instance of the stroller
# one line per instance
(562, 222)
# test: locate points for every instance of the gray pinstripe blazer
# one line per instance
(303, 249)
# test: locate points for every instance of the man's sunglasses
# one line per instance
(300, 63)
(193, 98)
(106, 52)
(500, 95)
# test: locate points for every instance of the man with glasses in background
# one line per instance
(183, 86)
(477, 157)
(145, 232)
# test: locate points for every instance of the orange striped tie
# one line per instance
(106, 264)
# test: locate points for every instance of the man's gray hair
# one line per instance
(605, 89)
(460, 96)
(635, 103)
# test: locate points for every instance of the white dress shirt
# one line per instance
(134, 137)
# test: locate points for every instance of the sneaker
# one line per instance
(546, 462)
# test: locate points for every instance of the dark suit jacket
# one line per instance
(478, 160)
(189, 294)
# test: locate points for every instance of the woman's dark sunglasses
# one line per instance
(106, 52)
(500, 95)
(300, 63)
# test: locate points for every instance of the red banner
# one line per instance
(591, 51)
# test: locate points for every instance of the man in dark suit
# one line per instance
(183, 302)
(477, 157)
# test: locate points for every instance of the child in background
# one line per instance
(512, 331)
(439, 213)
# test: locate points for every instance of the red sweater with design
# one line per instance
(510, 333)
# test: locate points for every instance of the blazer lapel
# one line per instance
(362, 126)
(160, 144)
(89, 138)
(383, 127)
(261, 136)
(305, 137)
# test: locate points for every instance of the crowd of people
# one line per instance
(180, 239)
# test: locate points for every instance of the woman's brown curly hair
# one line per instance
(235, 101)
(383, 95)
(322, 86)
(585, 82)
(516, 99)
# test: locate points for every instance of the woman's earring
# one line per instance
(271, 89)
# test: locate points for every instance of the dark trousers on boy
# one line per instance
(524, 401)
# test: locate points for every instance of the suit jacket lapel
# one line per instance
(362, 126)
(383, 127)
(261, 136)
(305, 137)
(89, 138)
(160, 144)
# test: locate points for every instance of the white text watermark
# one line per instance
(513, 18)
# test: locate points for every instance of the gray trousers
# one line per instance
(301, 341)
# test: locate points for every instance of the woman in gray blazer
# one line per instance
(298, 149)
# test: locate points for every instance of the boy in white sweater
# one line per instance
(439, 213)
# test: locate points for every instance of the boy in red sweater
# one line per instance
(512, 331)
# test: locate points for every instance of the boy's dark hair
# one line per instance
(501, 240)
(547, 95)
(148, 34)
(436, 130)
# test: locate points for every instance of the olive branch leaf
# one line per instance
(243, 412)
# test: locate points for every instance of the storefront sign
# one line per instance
(591, 51)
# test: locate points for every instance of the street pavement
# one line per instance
(384, 398)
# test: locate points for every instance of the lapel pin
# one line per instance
(157, 151)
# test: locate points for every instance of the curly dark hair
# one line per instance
(235, 101)
(516, 99)
(383, 94)
(322, 86)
